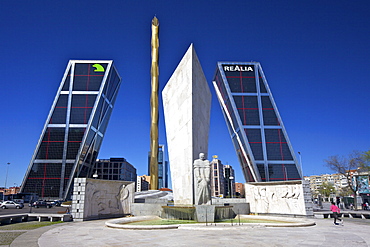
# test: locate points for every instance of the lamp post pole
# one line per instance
(300, 163)
(6, 178)
(231, 186)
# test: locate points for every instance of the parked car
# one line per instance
(56, 203)
(40, 204)
(11, 204)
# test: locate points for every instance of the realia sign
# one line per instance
(241, 68)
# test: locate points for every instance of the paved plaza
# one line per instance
(355, 232)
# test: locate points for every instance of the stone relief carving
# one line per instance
(102, 201)
(277, 199)
(123, 199)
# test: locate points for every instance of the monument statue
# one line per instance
(202, 177)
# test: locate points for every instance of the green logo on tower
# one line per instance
(98, 68)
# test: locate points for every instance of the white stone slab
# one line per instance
(187, 103)
(278, 198)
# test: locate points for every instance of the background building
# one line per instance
(9, 191)
(230, 181)
(338, 181)
(339, 184)
(162, 167)
(362, 179)
(115, 169)
(239, 190)
(74, 129)
(217, 178)
(142, 183)
(222, 179)
(256, 128)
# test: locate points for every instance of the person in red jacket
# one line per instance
(336, 212)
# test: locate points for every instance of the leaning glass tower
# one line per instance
(256, 129)
(74, 129)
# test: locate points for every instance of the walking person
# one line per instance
(336, 212)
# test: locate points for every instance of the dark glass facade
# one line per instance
(229, 176)
(115, 169)
(74, 129)
(256, 129)
(162, 167)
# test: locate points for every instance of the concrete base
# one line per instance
(15, 218)
(50, 217)
(239, 205)
(149, 203)
(146, 209)
(205, 213)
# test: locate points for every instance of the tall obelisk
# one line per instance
(154, 107)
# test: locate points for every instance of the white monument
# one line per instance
(187, 104)
(284, 197)
(97, 199)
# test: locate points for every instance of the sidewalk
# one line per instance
(94, 233)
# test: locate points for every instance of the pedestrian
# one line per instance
(336, 212)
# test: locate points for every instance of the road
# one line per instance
(26, 209)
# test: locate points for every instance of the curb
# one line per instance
(121, 223)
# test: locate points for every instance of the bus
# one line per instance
(23, 197)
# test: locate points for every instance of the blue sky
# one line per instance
(315, 55)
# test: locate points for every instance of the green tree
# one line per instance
(345, 191)
(348, 165)
(326, 189)
(366, 160)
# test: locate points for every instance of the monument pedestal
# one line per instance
(205, 213)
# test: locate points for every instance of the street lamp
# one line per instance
(231, 186)
(95, 175)
(331, 193)
(6, 178)
(320, 201)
